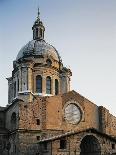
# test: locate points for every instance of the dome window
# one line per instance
(39, 84)
(48, 85)
(56, 87)
(49, 62)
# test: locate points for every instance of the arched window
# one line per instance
(39, 84)
(36, 32)
(15, 89)
(41, 33)
(48, 85)
(13, 120)
(56, 87)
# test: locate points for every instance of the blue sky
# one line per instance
(84, 33)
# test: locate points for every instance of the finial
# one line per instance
(38, 13)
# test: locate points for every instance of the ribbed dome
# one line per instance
(38, 47)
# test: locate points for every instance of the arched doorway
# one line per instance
(90, 146)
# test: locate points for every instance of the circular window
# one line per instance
(49, 62)
(72, 113)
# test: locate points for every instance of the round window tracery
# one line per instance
(72, 113)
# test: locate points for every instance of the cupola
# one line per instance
(38, 28)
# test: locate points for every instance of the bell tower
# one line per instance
(38, 28)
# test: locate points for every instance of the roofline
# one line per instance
(92, 130)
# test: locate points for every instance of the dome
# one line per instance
(36, 48)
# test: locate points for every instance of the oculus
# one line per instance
(49, 62)
(72, 113)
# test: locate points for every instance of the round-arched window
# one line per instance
(38, 84)
(13, 118)
(13, 121)
(90, 144)
(48, 85)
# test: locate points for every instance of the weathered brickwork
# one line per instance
(44, 118)
(55, 112)
(74, 142)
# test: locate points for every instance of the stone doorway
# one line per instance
(90, 146)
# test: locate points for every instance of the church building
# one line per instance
(45, 117)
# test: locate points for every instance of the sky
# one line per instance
(83, 32)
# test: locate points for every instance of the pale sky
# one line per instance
(84, 33)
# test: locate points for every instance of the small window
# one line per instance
(113, 146)
(63, 143)
(13, 118)
(38, 121)
(56, 87)
(39, 84)
(48, 85)
(38, 137)
(49, 62)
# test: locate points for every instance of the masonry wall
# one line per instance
(113, 125)
(4, 144)
(28, 142)
(49, 111)
(73, 145)
(14, 108)
(14, 144)
(107, 122)
(29, 113)
(55, 112)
